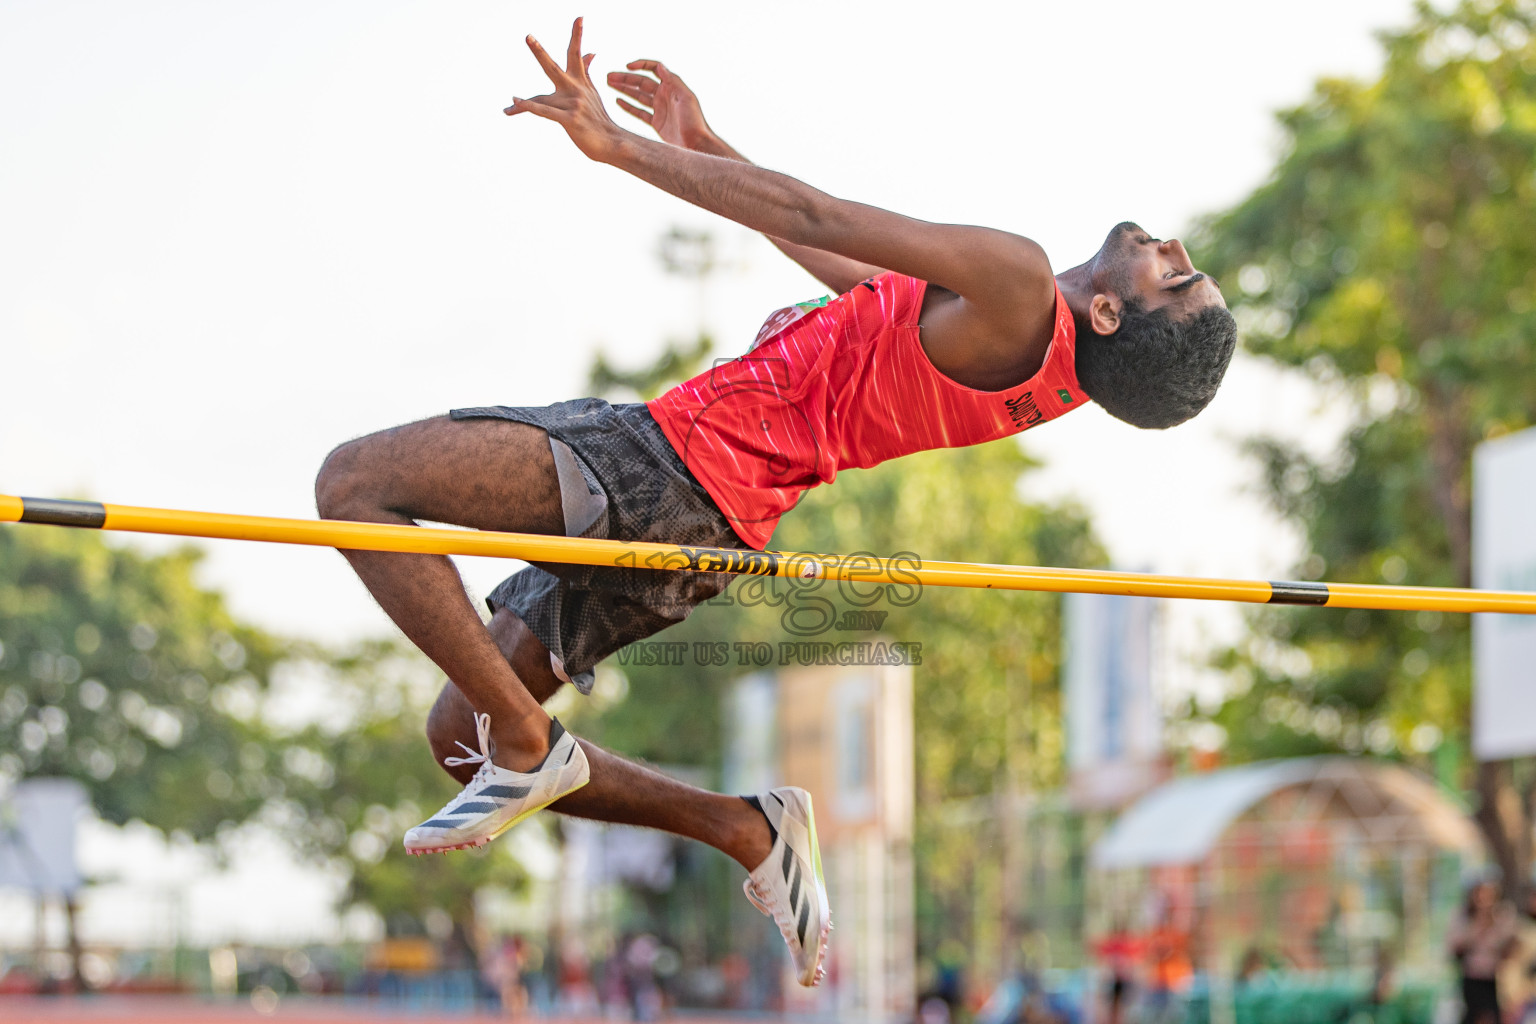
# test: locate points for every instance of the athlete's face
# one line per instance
(1133, 264)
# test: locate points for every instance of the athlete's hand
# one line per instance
(575, 104)
(664, 102)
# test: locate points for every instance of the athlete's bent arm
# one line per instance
(1004, 279)
(669, 106)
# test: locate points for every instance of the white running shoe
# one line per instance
(498, 798)
(788, 886)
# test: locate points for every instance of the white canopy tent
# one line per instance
(1182, 821)
(1324, 860)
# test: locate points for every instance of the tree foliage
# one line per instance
(120, 671)
(1390, 257)
(676, 364)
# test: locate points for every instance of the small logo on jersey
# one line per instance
(1023, 411)
(1064, 395)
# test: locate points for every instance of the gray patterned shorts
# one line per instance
(620, 479)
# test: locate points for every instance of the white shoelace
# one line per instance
(483, 758)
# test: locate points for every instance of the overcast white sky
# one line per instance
(233, 235)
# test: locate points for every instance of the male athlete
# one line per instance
(941, 335)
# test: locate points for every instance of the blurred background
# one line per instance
(233, 236)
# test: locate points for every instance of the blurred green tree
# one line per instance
(118, 669)
(1392, 258)
(676, 364)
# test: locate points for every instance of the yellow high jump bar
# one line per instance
(794, 565)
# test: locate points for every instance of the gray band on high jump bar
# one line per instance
(1285, 592)
(59, 512)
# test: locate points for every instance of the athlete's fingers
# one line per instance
(547, 113)
(643, 65)
(644, 115)
(637, 86)
(542, 106)
(637, 96)
(586, 66)
(545, 61)
(573, 51)
(674, 80)
(676, 84)
(540, 110)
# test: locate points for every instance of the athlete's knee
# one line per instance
(341, 486)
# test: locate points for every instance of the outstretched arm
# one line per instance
(1003, 279)
(667, 104)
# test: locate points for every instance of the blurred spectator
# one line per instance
(576, 995)
(536, 982)
(1169, 970)
(503, 969)
(1383, 977)
(1480, 940)
(1118, 952)
(736, 974)
(639, 965)
(614, 983)
(949, 977)
(1031, 951)
(1022, 998)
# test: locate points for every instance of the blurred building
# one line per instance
(1114, 720)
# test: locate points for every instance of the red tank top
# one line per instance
(842, 383)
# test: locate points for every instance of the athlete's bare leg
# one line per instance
(486, 474)
(621, 791)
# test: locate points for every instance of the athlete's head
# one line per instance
(1154, 340)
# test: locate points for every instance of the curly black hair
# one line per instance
(1156, 372)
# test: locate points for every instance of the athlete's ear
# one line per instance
(1104, 313)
